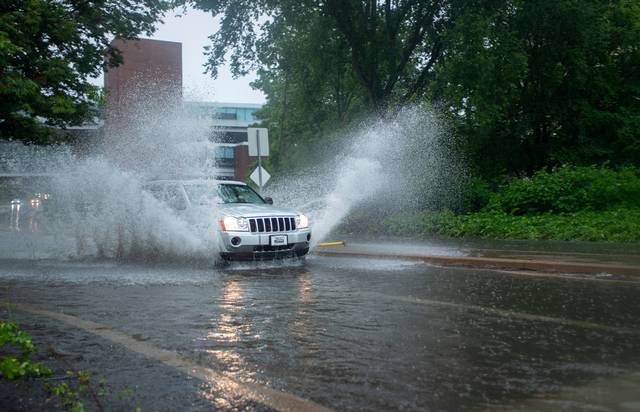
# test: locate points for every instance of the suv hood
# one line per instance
(254, 210)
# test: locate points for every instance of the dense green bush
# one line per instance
(12, 367)
(569, 203)
(444, 223)
(477, 194)
(569, 189)
(615, 225)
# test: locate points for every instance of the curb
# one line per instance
(501, 263)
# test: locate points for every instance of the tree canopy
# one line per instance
(528, 85)
(48, 51)
(391, 45)
(324, 63)
(536, 84)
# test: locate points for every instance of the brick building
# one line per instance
(152, 72)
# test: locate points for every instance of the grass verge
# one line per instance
(615, 225)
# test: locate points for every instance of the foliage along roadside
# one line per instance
(616, 225)
(76, 384)
(12, 367)
(569, 203)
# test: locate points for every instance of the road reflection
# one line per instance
(14, 218)
(300, 328)
(305, 288)
(254, 314)
(229, 328)
(26, 215)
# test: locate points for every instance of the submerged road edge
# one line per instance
(272, 398)
(497, 263)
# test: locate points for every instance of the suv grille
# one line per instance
(272, 224)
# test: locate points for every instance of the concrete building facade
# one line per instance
(229, 123)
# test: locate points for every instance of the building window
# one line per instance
(235, 113)
(225, 116)
(224, 156)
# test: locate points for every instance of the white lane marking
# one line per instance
(510, 314)
(605, 394)
(567, 276)
(272, 398)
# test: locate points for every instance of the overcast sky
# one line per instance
(192, 30)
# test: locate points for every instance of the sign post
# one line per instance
(259, 159)
(259, 146)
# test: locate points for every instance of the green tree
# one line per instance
(48, 51)
(309, 85)
(324, 64)
(528, 84)
(392, 45)
(537, 84)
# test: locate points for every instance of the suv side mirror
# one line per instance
(268, 200)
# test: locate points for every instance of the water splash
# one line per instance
(360, 179)
(100, 205)
(404, 161)
(108, 215)
(397, 163)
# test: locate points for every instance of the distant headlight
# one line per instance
(234, 224)
(302, 222)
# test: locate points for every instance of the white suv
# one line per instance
(249, 227)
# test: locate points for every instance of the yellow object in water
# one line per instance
(338, 243)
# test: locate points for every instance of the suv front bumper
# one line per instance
(257, 246)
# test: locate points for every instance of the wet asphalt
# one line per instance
(364, 334)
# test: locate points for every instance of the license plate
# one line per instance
(279, 240)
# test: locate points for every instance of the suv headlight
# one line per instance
(234, 224)
(302, 222)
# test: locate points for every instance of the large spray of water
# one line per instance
(100, 202)
(404, 161)
(108, 215)
(101, 209)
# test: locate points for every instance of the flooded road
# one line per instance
(359, 334)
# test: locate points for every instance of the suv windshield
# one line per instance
(203, 194)
(238, 194)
